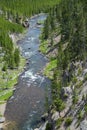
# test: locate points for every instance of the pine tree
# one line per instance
(17, 57)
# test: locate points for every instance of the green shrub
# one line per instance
(59, 104)
(74, 79)
(75, 99)
(68, 121)
(80, 115)
(59, 122)
(79, 71)
(85, 109)
(48, 126)
(4, 67)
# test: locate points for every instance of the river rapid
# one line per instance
(27, 104)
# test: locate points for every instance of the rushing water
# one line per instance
(27, 104)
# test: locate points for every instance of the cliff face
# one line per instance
(64, 42)
(73, 94)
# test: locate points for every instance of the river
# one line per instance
(27, 104)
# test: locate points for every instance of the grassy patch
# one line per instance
(68, 121)
(59, 122)
(50, 67)
(8, 79)
(6, 96)
(44, 47)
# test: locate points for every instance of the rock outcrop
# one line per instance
(83, 125)
(66, 91)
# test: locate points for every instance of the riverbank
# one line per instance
(9, 78)
(32, 87)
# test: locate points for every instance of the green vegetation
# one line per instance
(6, 96)
(85, 109)
(26, 8)
(59, 122)
(48, 126)
(50, 67)
(44, 47)
(9, 58)
(12, 15)
(68, 121)
(8, 79)
(67, 19)
(80, 115)
(59, 105)
(9, 27)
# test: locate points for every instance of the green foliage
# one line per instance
(6, 26)
(85, 109)
(74, 79)
(59, 122)
(44, 47)
(68, 121)
(45, 33)
(70, 18)
(48, 126)
(6, 96)
(50, 67)
(59, 104)
(17, 57)
(28, 7)
(52, 42)
(8, 79)
(75, 99)
(80, 115)
(4, 67)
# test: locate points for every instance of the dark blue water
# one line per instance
(28, 102)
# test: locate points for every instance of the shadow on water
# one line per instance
(25, 107)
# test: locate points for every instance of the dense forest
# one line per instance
(6, 43)
(28, 7)
(11, 11)
(68, 20)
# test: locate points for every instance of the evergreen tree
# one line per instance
(17, 57)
